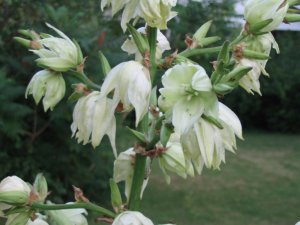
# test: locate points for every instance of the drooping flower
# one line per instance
(162, 45)
(257, 11)
(263, 44)
(49, 84)
(156, 13)
(93, 117)
(58, 53)
(132, 86)
(124, 169)
(13, 190)
(173, 159)
(211, 141)
(132, 218)
(187, 91)
(67, 216)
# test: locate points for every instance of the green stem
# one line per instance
(140, 161)
(84, 205)
(137, 183)
(152, 37)
(83, 78)
(192, 52)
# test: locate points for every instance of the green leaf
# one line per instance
(116, 199)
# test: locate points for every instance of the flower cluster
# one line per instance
(156, 13)
(16, 194)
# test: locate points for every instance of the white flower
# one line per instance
(173, 158)
(58, 53)
(298, 223)
(187, 91)
(132, 218)
(257, 11)
(211, 141)
(93, 117)
(49, 84)
(132, 85)
(162, 45)
(13, 190)
(67, 216)
(124, 169)
(156, 12)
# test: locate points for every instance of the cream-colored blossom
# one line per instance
(49, 84)
(58, 53)
(132, 218)
(93, 117)
(156, 13)
(124, 169)
(187, 92)
(132, 86)
(257, 11)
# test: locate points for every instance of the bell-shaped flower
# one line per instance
(93, 117)
(13, 190)
(132, 218)
(187, 91)
(173, 159)
(257, 11)
(37, 221)
(49, 84)
(67, 216)
(163, 44)
(58, 53)
(156, 13)
(211, 141)
(263, 44)
(132, 86)
(124, 169)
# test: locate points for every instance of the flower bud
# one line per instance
(132, 85)
(40, 187)
(59, 54)
(257, 11)
(132, 218)
(292, 18)
(14, 190)
(49, 84)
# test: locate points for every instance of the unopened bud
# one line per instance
(30, 34)
(18, 219)
(116, 199)
(40, 187)
(140, 41)
(104, 64)
(26, 43)
(292, 18)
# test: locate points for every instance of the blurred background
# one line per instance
(259, 185)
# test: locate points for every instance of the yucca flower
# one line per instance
(132, 87)
(132, 218)
(93, 117)
(124, 169)
(13, 190)
(210, 141)
(259, 10)
(48, 84)
(187, 92)
(58, 53)
(156, 13)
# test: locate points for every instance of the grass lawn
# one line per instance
(259, 185)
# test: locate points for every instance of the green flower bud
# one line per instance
(49, 84)
(14, 190)
(40, 187)
(18, 219)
